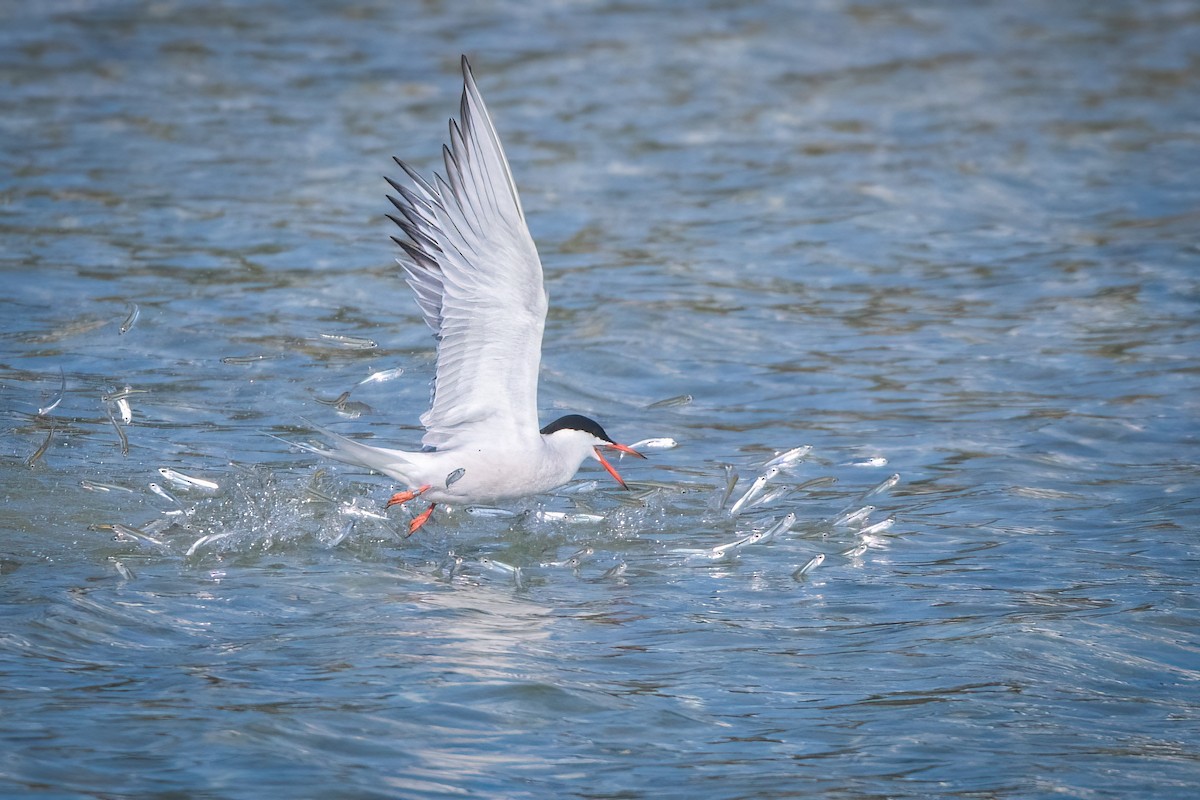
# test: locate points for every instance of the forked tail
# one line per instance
(394, 463)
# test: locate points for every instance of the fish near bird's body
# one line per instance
(474, 269)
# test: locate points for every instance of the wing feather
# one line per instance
(476, 275)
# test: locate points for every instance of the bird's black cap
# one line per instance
(577, 422)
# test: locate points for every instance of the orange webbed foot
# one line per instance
(404, 497)
(420, 519)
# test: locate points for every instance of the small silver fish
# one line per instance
(345, 406)
(755, 489)
(352, 409)
(209, 539)
(633, 498)
(660, 443)
(573, 560)
(670, 402)
(455, 477)
(783, 526)
(817, 483)
(500, 566)
(351, 342)
(566, 516)
(97, 486)
(615, 571)
(120, 433)
(133, 533)
(164, 494)
(250, 359)
(125, 410)
(693, 553)
(878, 527)
(58, 396)
(770, 496)
(488, 511)
(725, 549)
(648, 487)
(381, 376)
(731, 480)
(851, 517)
(883, 486)
(855, 552)
(41, 451)
(187, 480)
(125, 572)
(335, 402)
(877, 461)
(130, 320)
(581, 517)
(790, 458)
(114, 397)
(812, 564)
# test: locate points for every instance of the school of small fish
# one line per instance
(853, 517)
(159, 535)
(772, 485)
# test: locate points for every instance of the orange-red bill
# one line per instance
(611, 470)
(625, 449)
(604, 462)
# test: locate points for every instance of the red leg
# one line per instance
(420, 519)
(404, 497)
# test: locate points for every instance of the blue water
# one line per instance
(953, 242)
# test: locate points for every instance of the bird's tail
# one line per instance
(394, 463)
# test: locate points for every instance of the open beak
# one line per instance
(604, 461)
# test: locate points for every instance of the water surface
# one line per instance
(953, 242)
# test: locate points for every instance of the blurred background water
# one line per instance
(955, 242)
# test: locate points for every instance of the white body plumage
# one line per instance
(472, 264)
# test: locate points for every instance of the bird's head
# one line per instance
(589, 433)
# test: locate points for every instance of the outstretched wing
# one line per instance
(475, 271)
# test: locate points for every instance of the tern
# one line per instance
(470, 260)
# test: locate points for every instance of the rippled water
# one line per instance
(954, 242)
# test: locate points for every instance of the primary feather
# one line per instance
(475, 271)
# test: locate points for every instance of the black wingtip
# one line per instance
(392, 183)
(412, 174)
